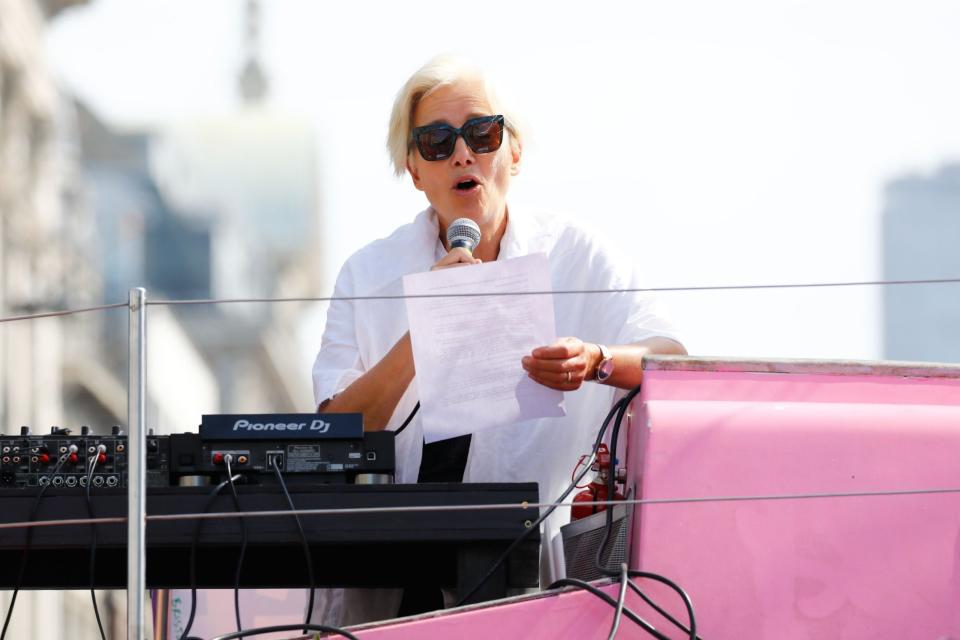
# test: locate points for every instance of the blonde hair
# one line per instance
(440, 71)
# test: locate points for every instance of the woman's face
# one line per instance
(486, 175)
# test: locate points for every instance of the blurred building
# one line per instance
(921, 240)
(223, 208)
(252, 176)
(45, 239)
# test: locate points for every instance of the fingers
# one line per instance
(562, 349)
(562, 365)
(457, 257)
(562, 381)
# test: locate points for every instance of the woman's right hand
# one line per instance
(456, 257)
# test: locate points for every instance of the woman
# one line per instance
(461, 147)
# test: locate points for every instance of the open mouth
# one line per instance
(466, 185)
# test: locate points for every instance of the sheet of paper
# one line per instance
(467, 350)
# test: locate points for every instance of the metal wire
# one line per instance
(741, 287)
(474, 507)
(65, 312)
(733, 287)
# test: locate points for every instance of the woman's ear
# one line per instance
(516, 150)
(414, 172)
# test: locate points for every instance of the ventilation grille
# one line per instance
(582, 538)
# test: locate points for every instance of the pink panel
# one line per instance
(572, 615)
(840, 568)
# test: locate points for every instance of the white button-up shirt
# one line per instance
(359, 333)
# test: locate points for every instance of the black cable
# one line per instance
(586, 586)
(659, 610)
(608, 528)
(193, 559)
(692, 631)
(26, 545)
(243, 544)
(303, 538)
(287, 627)
(536, 524)
(409, 418)
(624, 404)
(93, 536)
(621, 600)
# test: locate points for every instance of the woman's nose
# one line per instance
(462, 154)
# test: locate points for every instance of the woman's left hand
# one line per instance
(563, 365)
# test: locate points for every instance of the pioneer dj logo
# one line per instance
(316, 426)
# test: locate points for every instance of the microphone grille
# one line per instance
(463, 231)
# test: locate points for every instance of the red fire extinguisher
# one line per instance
(596, 491)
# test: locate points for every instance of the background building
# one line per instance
(220, 207)
(921, 240)
(46, 237)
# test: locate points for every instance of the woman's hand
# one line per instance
(457, 257)
(563, 365)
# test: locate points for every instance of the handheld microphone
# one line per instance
(463, 232)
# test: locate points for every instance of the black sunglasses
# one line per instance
(437, 141)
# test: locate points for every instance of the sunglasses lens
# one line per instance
(484, 136)
(436, 144)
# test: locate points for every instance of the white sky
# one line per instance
(739, 142)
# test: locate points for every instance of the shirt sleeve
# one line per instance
(642, 313)
(627, 314)
(338, 363)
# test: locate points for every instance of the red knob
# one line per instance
(102, 458)
(218, 458)
(73, 458)
(44, 458)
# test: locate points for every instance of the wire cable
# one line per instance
(660, 610)
(621, 600)
(407, 421)
(623, 406)
(586, 586)
(26, 545)
(193, 560)
(93, 536)
(64, 312)
(303, 539)
(287, 627)
(692, 631)
(608, 528)
(550, 509)
(339, 511)
(470, 294)
(243, 544)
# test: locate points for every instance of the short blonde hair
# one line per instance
(440, 71)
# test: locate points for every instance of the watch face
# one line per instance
(605, 369)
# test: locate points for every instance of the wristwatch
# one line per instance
(605, 367)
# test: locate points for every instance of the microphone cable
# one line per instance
(407, 421)
(26, 545)
(101, 449)
(193, 559)
(303, 539)
(228, 458)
